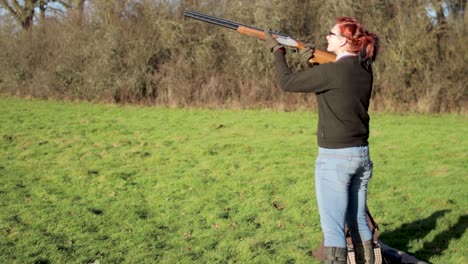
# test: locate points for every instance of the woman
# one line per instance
(343, 166)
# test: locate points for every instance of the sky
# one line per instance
(4, 13)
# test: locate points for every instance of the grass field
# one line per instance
(87, 183)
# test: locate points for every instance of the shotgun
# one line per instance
(319, 57)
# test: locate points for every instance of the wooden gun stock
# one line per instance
(319, 56)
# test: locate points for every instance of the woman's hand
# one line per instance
(271, 43)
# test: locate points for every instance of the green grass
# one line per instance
(86, 183)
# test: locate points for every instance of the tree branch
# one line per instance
(7, 6)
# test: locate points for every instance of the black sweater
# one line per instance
(343, 90)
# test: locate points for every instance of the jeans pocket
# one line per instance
(319, 163)
(368, 168)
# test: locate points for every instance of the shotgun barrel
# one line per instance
(223, 22)
(319, 56)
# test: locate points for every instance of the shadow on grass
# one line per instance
(401, 237)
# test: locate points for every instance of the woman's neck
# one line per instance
(345, 54)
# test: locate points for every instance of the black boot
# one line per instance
(364, 252)
(335, 255)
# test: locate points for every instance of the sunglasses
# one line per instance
(333, 34)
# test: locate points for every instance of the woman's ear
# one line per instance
(342, 42)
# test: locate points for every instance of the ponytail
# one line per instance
(360, 40)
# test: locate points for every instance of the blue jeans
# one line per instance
(341, 178)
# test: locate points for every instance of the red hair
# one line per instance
(360, 40)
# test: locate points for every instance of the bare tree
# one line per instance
(22, 11)
(465, 18)
(75, 9)
(456, 8)
(109, 11)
